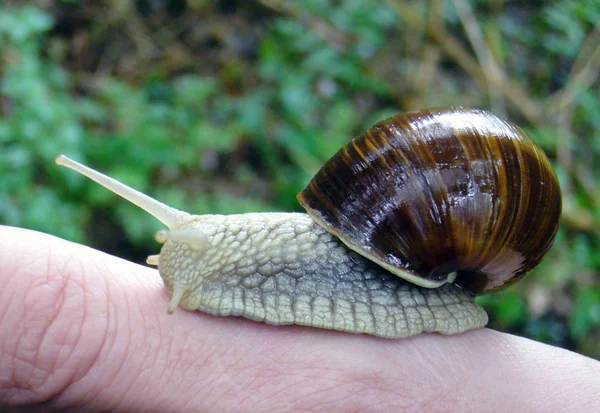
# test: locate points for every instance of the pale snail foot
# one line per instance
(285, 269)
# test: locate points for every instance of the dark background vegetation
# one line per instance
(231, 106)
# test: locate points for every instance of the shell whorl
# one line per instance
(438, 192)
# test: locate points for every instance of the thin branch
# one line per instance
(491, 70)
(584, 73)
(138, 32)
(585, 70)
(336, 38)
(454, 48)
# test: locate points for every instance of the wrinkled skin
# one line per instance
(84, 331)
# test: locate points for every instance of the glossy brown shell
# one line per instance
(433, 192)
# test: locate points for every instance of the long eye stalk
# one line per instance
(171, 217)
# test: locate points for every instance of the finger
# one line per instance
(80, 328)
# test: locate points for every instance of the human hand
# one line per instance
(83, 331)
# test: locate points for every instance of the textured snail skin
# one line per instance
(283, 268)
(443, 191)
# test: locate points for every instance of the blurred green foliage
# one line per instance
(230, 107)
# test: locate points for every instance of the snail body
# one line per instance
(404, 226)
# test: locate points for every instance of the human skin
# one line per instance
(84, 331)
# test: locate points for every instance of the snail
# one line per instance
(404, 226)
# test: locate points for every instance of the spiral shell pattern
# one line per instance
(441, 191)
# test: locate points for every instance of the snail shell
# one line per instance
(405, 224)
(441, 192)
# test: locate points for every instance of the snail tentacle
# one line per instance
(152, 260)
(171, 217)
(193, 237)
